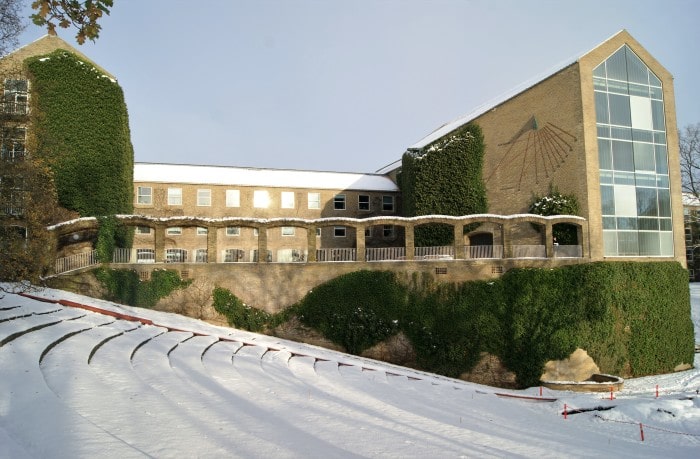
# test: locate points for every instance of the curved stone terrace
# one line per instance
(504, 231)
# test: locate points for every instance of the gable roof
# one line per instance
(243, 176)
(480, 110)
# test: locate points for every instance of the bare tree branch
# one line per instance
(690, 159)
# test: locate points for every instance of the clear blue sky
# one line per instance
(347, 85)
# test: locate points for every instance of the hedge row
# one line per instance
(124, 286)
(632, 318)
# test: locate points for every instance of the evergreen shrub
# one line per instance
(238, 314)
(124, 286)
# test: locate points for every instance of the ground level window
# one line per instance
(287, 231)
(368, 231)
(145, 256)
(143, 230)
(200, 256)
(339, 231)
(202, 231)
(388, 231)
(233, 255)
(233, 231)
(175, 255)
(174, 231)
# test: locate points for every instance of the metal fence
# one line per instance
(77, 261)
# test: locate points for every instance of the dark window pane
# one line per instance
(649, 224)
(601, 107)
(617, 65)
(636, 70)
(604, 154)
(623, 156)
(661, 160)
(627, 223)
(646, 202)
(649, 244)
(607, 198)
(620, 110)
(657, 115)
(664, 203)
(644, 157)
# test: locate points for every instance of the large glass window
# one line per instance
(635, 195)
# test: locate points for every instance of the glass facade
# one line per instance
(634, 185)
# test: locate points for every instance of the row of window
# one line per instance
(261, 199)
(15, 96)
(338, 231)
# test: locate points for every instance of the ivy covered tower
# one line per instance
(76, 121)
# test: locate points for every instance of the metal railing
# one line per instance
(529, 251)
(385, 253)
(443, 252)
(77, 261)
(336, 254)
(568, 251)
(483, 251)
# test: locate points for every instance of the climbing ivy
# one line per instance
(82, 130)
(444, 177)
(556, 203)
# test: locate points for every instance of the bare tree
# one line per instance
(690, 159)
(11, 25)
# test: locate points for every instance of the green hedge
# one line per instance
(444, 178)
(124, 286)
(238, 314)
(632, 318)
(82, 130)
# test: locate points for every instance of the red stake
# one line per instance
(611, 393)
(540, 391)
(657, 391)
(564, 410)
(641, 431)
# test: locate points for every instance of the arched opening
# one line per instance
(481, 245)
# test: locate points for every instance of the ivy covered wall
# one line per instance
(444, 178)
(82, 129)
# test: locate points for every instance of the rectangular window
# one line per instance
(287, 231)
(233, 198)
(233, 231)
(202, 231)
(256, 232)
(287, 200)
(15, 98)
(318, 232)
(261, 199)
(174, 196)
(233, 255)
(388, 231)
(368, 231)
(144, 195)
(363, 202)
(339, 231)
(13, 141)
(145, 256)
(388, 203)
(314, 200)
(204, 197)
(173, 231)
(143, 230)
(339, 202)
(200, 256)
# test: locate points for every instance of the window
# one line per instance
(288, 231)
(233, 231)
(200, 256)
(261, 199)
(143, 230)
(202, 231)
(288, 200)
(174, 196)
(363, 202)
(173, 231)
(339, 231)
(256, 232)
(318, 232)
(388, 231)
(144, 195)
(204, 197)
(233, 255)
(175, 256)
(339, 202)
(233, 198)
(13, 140)
(388, 203)
(145, 256)
(15, 96)
(368, 231)
(314, 200)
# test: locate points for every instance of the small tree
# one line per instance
(556, 203)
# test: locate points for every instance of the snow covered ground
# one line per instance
(77, 383)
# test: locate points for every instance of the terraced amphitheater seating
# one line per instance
(87, 378)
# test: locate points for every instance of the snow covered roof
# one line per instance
(243, 176)
(690, 200)
(485, 107)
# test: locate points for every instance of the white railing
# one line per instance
(336, 254)
(121, 255)
(443, 252)
(568, 251)
(529, 251)
(77, 261)
(291, 256)
(385, 253)
(483, 251)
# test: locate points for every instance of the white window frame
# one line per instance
(144, 197)
(318, 232)
(233, 198)
(174, 196)
(204, 197)
(360, 204)
(201, 256)
(174, 231)
(387, 207)
(287, 200)
(256, 232)
(233, 231)
(233, 255)
(339, 202)
(288, 231)
(202, 231)
(261, 199)
(340, 231)
(143, 230)
(314, 200)
(368, 231)
(145, 256)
